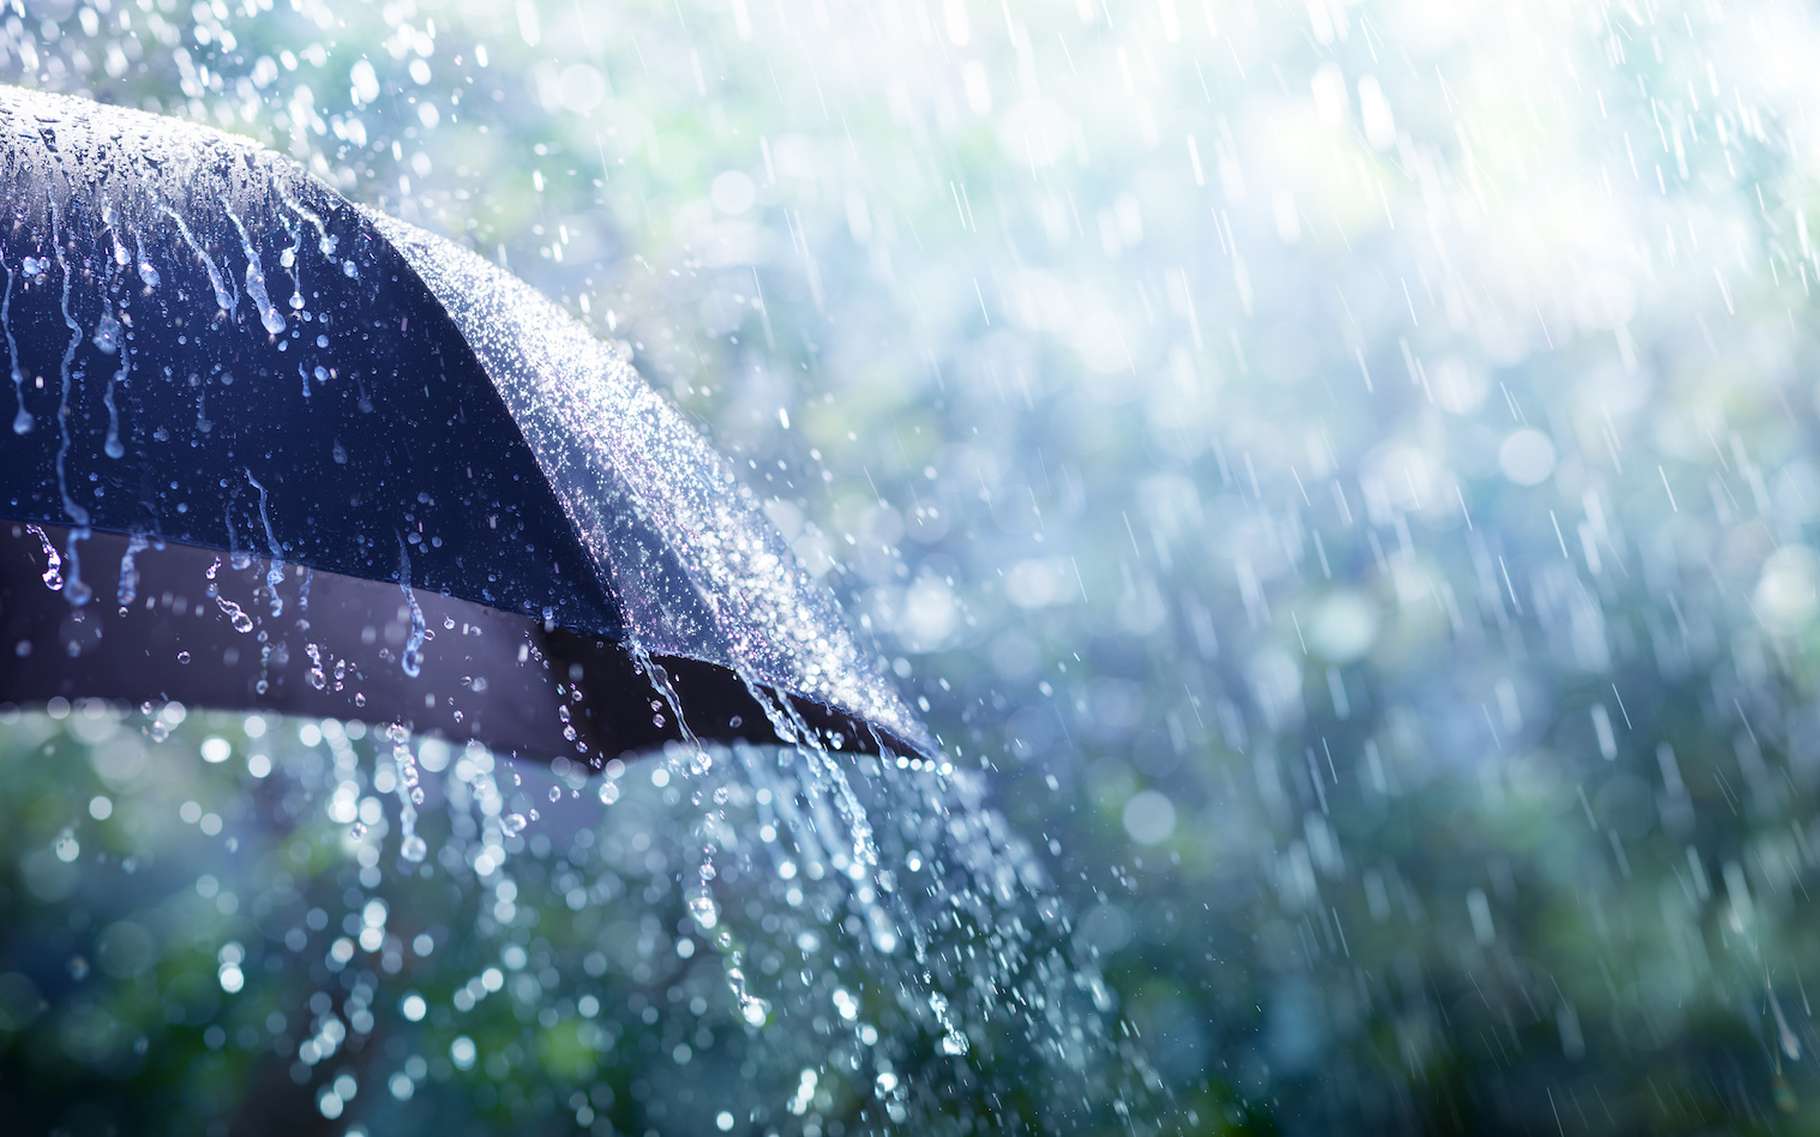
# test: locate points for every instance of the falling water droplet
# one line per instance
(147, 274)
(412, 658)
(705, 911)
(111, 337)
(953, 1043)
(107, 334)
(128, 589)
(22, 420)
(269, 316)
(223, 298)
(53, 568)
(237, 617)
(77, 592)
(274, 570)
(751, 1008)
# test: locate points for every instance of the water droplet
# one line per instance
(237, 617)
(128, 589)
(705, 911)
(412, 657)
(53, 568)
(107, 333)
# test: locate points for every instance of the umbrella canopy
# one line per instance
(269, 449)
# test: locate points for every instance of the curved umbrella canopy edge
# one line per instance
(515, 684)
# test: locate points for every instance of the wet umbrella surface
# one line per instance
(269, 449)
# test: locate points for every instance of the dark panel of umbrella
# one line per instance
(271, 450)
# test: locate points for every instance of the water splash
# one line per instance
(77, 592)
(53, 561)
(752, 1009)
(316, 677)
(325, 241)
(110, 339)
(148, 274)
(274, 571)
(236, 615)
(411, 659)
(128, 589)
(255, 279)
(224, 299)
(288, 260)
(22, 418)
(238, 558)
(121, 257)
(107, 333)
(954, 1043)
(411, 846)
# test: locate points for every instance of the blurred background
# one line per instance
(1345, 472)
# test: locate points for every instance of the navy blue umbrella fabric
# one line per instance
(268, 449)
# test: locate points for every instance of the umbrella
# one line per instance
(269, 449)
